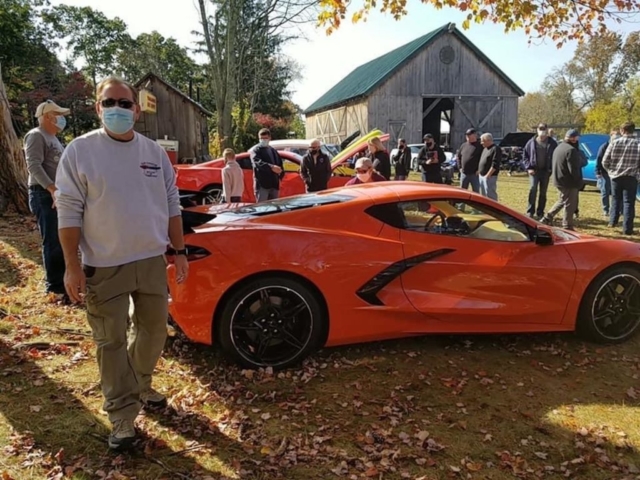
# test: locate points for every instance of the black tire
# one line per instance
(238, 329)
(214, 194)
(606, 315)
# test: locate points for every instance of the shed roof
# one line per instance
(367, 77)
(151, 75)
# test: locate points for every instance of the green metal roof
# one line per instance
(364, 79)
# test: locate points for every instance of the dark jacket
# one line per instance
(315, 175)
(262, 158)
(402, 162)
(426, 153)
(567, 166)
(531, 156)
(382, 164)
(468, 157)
(601, 151)
(491, 157)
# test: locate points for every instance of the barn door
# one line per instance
(482, 113)
(396, 130)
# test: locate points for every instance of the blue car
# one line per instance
(590, 143)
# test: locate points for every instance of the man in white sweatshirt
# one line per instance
(118, 203)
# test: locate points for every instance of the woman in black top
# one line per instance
(380, 158)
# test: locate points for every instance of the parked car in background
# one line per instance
(415, 149)
(589, 144)
(512, 146)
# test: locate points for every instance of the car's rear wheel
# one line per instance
(271, 322)
(214, 194)
(610, 308)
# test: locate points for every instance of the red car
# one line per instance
(207, 177)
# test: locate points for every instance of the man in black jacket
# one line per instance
(489, 167)
(468, 157)
(267, 168)
(430, 158)
(603, 181)
(402, 160)
(566, 174)
(316, 168)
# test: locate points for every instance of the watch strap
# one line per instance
(182, 251)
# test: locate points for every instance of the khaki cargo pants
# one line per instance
(126, 365)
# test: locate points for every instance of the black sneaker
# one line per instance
(122, 435)
(152, 399)
(546, 221)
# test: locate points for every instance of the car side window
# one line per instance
(462, 219)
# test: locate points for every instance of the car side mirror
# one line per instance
(543, 237)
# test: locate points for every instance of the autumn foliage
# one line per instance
(559, 20)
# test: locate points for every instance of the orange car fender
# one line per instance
(591, 259)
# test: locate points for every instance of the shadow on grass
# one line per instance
(26, 241)
(52, 429)
(525, 405)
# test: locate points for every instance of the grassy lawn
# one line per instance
(481, 407)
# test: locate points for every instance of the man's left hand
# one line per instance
(182, 268)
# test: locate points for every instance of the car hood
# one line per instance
(593, 142)
(516, 139)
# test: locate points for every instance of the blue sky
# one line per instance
(327, 59)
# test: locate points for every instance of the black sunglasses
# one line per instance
(111, 102)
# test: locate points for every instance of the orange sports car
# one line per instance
(272, 282)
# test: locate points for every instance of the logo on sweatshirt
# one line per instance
(150, 169)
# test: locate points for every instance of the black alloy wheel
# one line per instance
(272, 322)
(610, 310)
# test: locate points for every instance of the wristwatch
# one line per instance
(182, 251)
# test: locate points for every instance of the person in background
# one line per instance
(552, 134)
(430, 159)
(42, 152)
(316, 168)
(232, 178)
(380, 158)
(268, 169)
(567, 178)
(402, 160)
(489, 167)
(468, 156)
(622, 162)
(538, 155)
(602, 176)
(122, 220)
(365, 173)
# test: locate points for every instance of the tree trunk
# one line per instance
(13, 168)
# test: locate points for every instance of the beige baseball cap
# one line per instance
(50, 106)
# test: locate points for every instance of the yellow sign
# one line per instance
(147, 101)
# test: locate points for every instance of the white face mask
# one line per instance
(363, 177)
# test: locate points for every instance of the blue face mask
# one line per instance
(264, 142)
(61, 122)
(117, 120)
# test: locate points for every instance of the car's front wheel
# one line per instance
(610, 308)
(271, 322)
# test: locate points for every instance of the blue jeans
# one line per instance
(604, 185)
(489, 187)
(623, 191)
(467, 179)
(41, 205)
(538, 184)
(263, 194)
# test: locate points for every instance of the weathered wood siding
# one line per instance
(178, 119)
(399, 99)
(333, 126)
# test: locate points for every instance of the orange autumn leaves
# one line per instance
(558, 20)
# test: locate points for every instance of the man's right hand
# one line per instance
(52, 190)
(276, 169)
(75, 283)
(531, 172)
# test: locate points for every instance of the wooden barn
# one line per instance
(170, 116)
(439, 78)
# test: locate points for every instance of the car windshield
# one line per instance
(288, 204)
(415, 148)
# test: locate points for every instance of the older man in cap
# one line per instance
(468, 157)
(43, 151)
(566, 174)
(538, 153)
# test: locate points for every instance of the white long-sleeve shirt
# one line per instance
(232, 181)
(121, 194)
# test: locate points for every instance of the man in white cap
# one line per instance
(42, 152)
